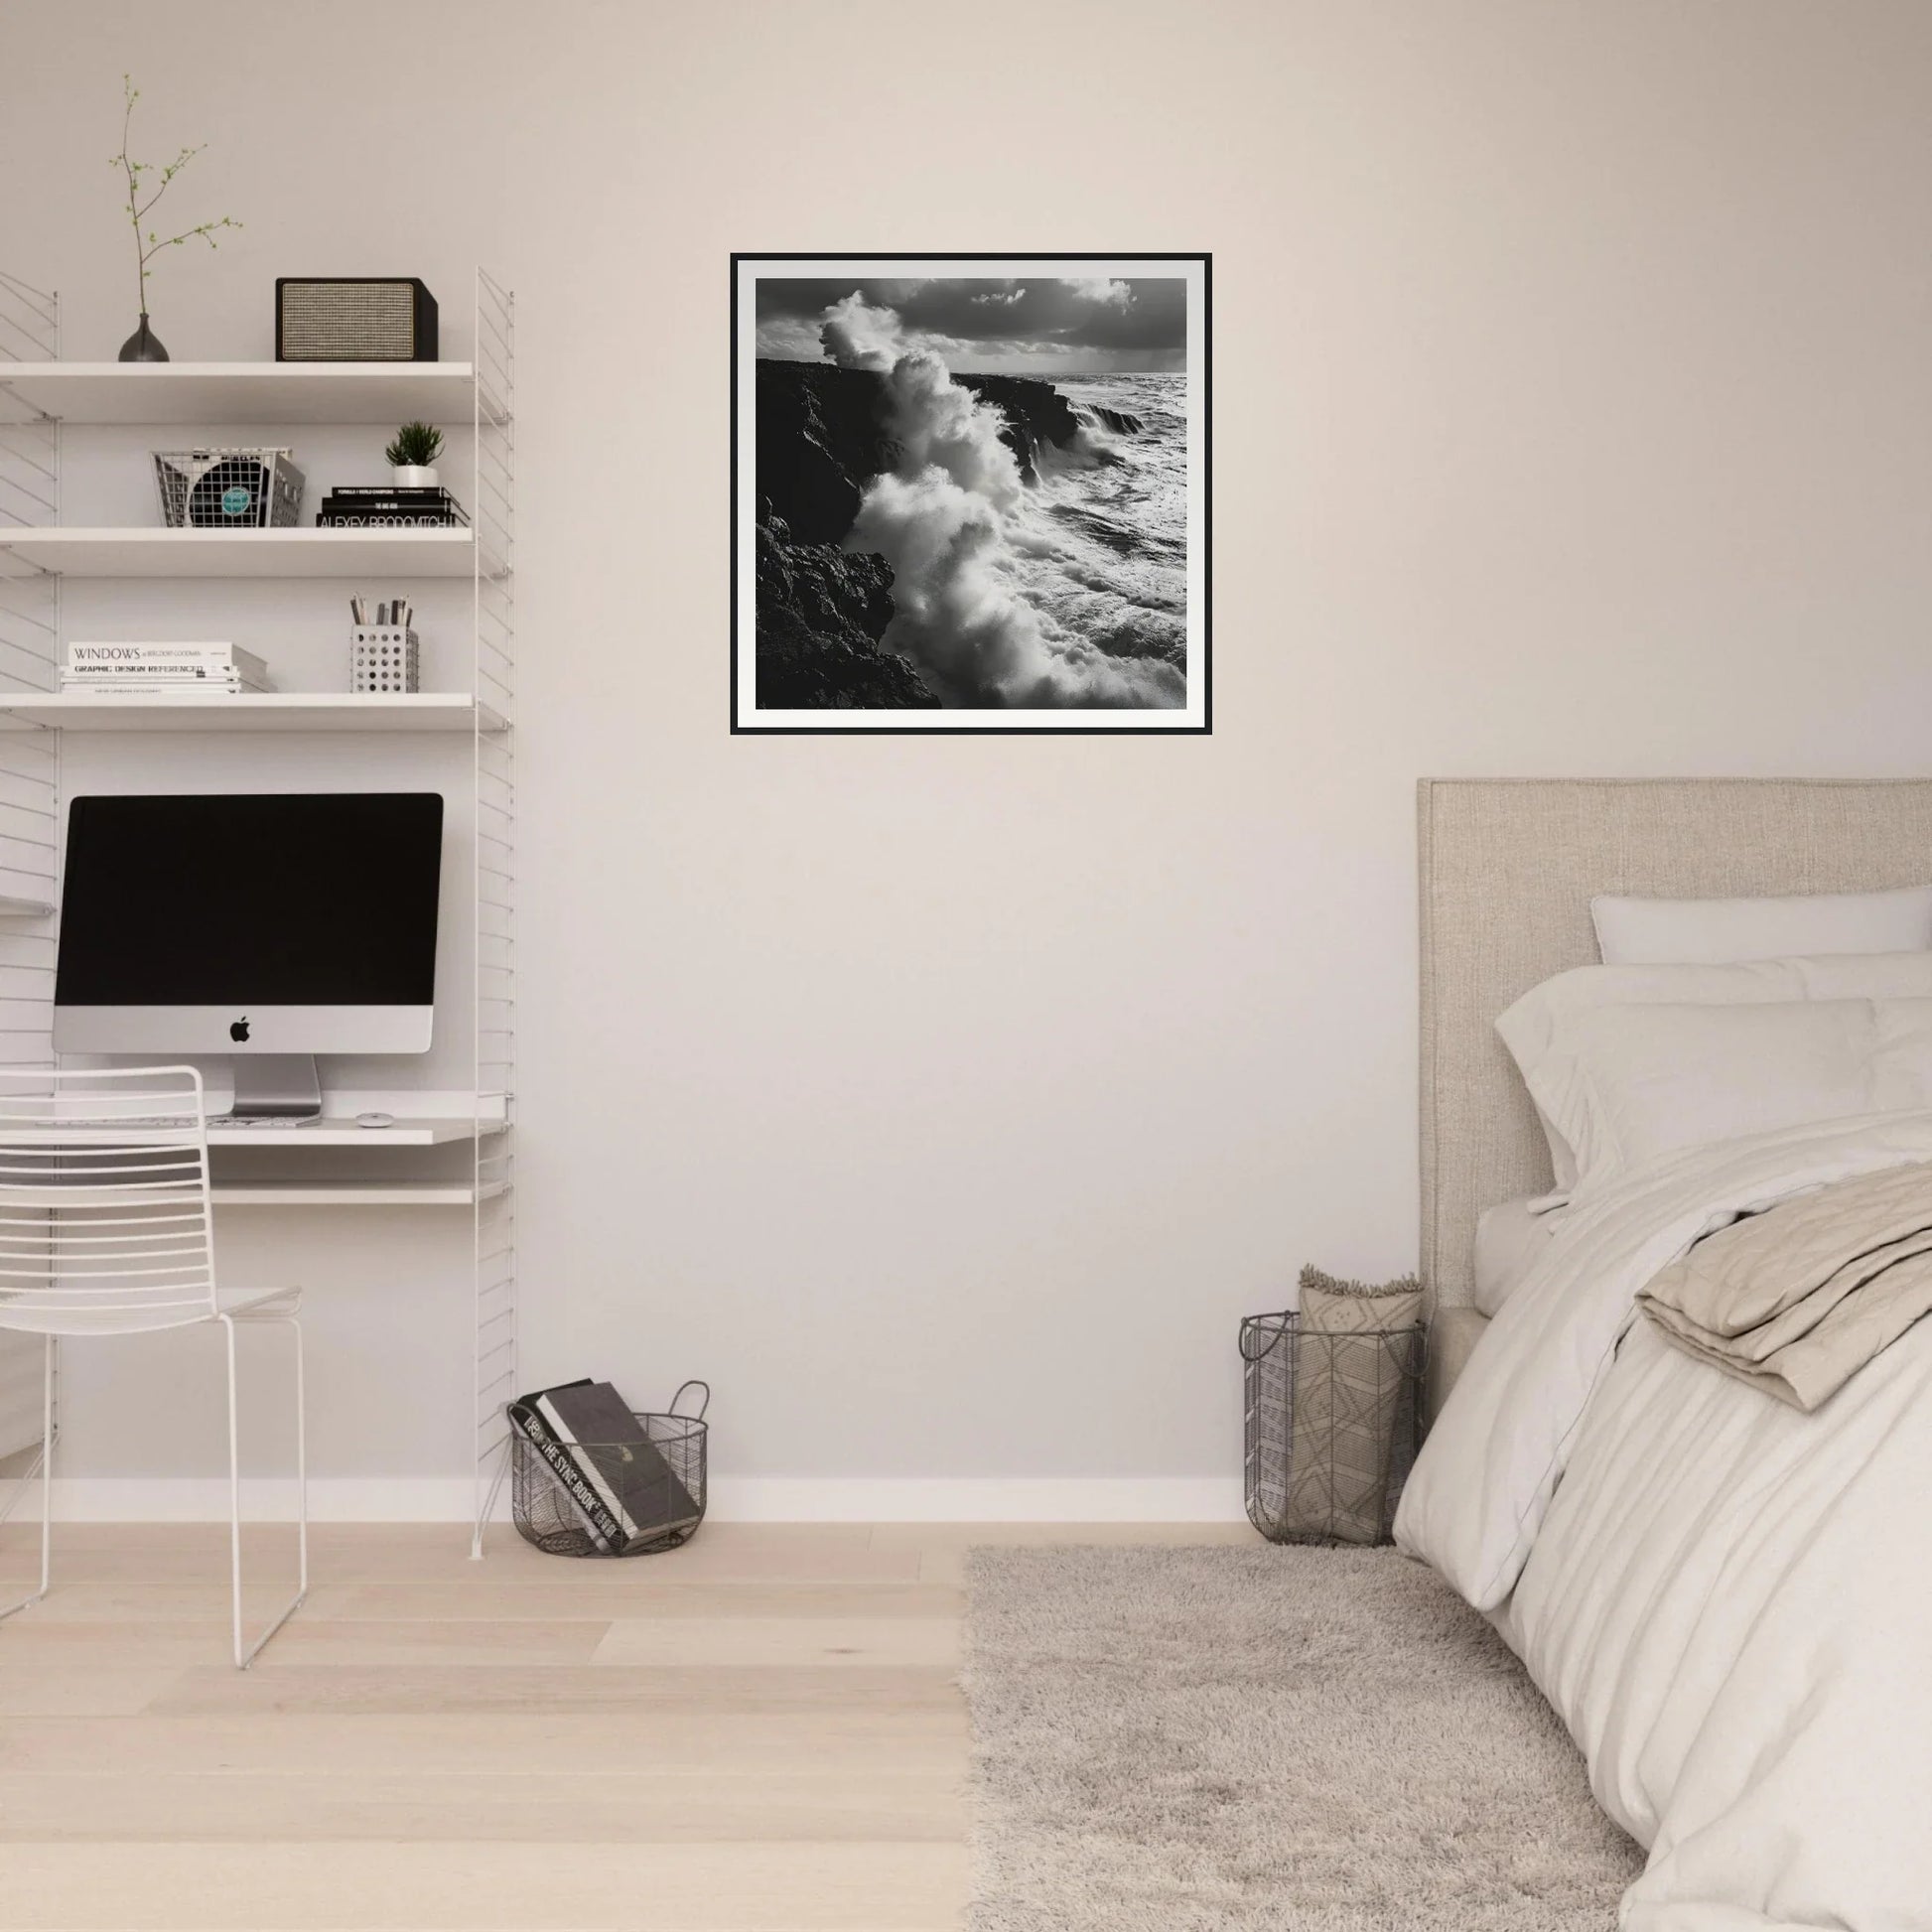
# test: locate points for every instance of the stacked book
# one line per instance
(117, 669)
(384, 506)
(616, 1479)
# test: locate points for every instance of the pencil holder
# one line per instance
(382, 657)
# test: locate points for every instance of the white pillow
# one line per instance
(1656, 932)
(1624, 1085)
(1511, 1238)
(1532, 1026)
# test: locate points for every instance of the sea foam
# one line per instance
(976, 606)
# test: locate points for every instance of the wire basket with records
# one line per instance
(590, 1477)
(227, 488)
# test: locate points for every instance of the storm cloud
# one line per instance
(1022, 321)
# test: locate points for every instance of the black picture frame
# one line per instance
(1192, 720)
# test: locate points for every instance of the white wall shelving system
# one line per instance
(41, 396)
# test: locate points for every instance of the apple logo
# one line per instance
(239, 1030)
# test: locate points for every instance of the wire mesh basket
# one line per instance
(547, 1512)
(1333, 1423)
(227, 489)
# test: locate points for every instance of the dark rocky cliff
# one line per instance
(821, 614)
(821, 435)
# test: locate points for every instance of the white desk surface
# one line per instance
(406, 1132)
(328, 1131)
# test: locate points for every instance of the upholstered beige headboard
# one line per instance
(1507, 870)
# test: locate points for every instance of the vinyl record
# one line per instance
(230, 493)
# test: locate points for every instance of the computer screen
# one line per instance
(281, 922)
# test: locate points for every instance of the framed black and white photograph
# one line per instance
(970, 493)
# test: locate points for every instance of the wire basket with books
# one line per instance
(590, 1477)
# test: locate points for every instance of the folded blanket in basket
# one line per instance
(1349, 1381)
(1798, 1299)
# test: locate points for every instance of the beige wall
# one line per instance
(945, 1100)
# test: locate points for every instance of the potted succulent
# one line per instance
(142, 194)
(412, 454)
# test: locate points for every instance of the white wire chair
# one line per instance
(106, 1228)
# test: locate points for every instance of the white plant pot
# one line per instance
(413, 475)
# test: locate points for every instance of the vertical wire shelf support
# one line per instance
(29, 791)
(492, 511)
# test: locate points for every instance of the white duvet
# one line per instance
(1729, 1602)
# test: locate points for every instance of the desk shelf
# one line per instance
(427, 1130)
(424, 1132)
(351, 1193)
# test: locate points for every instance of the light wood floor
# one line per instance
(758, 1732)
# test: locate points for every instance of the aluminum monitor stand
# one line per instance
(276, 1086)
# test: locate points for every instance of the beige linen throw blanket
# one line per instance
(1798, 1299)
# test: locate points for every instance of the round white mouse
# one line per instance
(375, 1120)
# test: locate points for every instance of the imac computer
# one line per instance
(267, 928)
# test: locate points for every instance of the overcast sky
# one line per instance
(1035, 325)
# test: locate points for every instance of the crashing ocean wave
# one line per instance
(1066, 589)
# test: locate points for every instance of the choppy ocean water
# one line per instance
(1118, 574)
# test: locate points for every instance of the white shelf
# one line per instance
(437, 1130)
(310, 552)
(274, 711)
(348, 1193)
(244, 392)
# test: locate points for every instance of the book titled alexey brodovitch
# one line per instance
(378, 506)
(619, 1480)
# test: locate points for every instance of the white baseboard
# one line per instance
(978, 1499)
(733, 1499)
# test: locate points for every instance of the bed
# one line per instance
(1723, 1598)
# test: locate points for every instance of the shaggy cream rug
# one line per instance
(1204, 1740)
